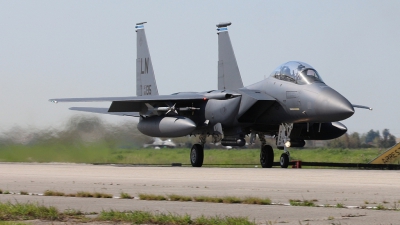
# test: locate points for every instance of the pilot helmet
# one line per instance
(285, 71)
(300, 67)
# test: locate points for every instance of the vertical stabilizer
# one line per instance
(145, 79)
(228, 70)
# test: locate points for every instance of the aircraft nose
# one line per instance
(333, 106)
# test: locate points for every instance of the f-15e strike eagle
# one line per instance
(293, 104)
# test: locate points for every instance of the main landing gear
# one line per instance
(266, 156)
(267, 153)
(197, 152)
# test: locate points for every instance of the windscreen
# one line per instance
(297, 72)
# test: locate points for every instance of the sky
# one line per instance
(57, 49)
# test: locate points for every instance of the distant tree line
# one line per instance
(83, 129)
(369, 140)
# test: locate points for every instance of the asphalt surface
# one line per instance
(351, 188)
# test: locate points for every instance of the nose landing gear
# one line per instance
(283, 142)
(284, 160)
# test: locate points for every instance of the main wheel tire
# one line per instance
(284, 161)
(197, 155)
(266, 156)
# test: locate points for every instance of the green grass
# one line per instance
(296, 202)
(207, 199)
(107, 153)
(53, 193)
(339, 205)
(11, 214)
(231, 200)
(180, 198)
(12, 223)
(152, 197)
(80, 153)
(86, 194)
(257, 201)
(139, 217)
(27, 211)
(380, 207)
(125, 195)
(226, 199)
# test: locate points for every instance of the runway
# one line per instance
(326, 186)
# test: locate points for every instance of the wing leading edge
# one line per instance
(146, 98)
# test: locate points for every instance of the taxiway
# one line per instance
(325, 186)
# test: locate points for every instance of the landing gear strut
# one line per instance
(267, 153)
(197, 152)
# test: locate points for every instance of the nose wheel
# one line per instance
(284, 161)
(283, 142)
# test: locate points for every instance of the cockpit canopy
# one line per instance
(297, 72)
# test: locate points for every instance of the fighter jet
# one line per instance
(159, 143)
(293, 104)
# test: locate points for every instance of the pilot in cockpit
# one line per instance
(286, 74)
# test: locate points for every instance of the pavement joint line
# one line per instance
(273, 203)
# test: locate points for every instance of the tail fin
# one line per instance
(145, 79)
(228, 70)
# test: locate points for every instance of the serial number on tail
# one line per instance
(147, 90)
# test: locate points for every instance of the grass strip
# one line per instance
(140, 217)
(82, 194)
(180, 198)
(296, 202)
(207, 199)
(103, 152)
(11, 223)
(152, 197)
(257, 201)
(86, 194)
(32, 211)
(28, 211)
(226, 199)
(231, 200)
(125, 195)
(53, 193)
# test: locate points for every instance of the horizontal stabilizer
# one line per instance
(103, 111)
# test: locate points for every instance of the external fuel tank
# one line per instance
(166, 126)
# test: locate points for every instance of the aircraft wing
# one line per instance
(127, 106)
(104, 111)
(145, 98)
